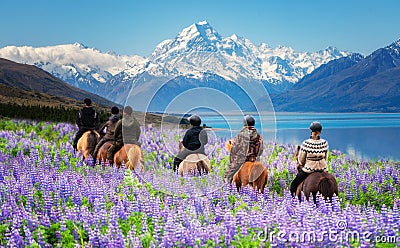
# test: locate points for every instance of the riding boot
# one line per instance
(296, 181)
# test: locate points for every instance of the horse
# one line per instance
(196, 163)
(253, 173)
(102, 154)
(131, 155)
(318, 181)
(87, 143)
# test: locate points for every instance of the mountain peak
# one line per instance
(79, 45)
(202, 29)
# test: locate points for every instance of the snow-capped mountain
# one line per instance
(196, 50)
(350, 84)
(199, 48)
(80, 66)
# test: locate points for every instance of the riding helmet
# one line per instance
(114, 110)
(87, 101)
(195, 120)
(249, 121)
(128, 110)
(316, 126)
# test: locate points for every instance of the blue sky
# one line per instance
(136, 27)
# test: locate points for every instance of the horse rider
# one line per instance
(87, 120)
(312, 156)
(246, 146)
(106, 131)
(127, 131)
(193, 141)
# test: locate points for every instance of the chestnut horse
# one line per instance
(102, 154)
(195, 164)
(130, 154)
(87, 143)
(321, 182)
(253, 173)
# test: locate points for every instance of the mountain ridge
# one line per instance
(198, 48)
(361, 84)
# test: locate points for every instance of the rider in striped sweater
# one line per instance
(312, 156)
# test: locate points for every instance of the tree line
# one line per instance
(44, 113)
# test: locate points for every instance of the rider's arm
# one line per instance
(301, 159)
(185, 141)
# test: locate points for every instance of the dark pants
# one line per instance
(114, 149)
(78, 135)
(232, 169)
(300, 177)
(182, 155)
(97, 148)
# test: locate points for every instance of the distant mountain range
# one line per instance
(349, 84)
(196, 50)
(328, 80)
(30, 84)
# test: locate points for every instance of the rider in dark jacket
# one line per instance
(107, 130)
(193, 142)
(127, 131)
(87, 120)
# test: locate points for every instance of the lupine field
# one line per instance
(50, 197)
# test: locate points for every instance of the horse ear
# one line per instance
(296, 151)
(228, 145)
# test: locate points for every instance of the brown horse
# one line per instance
(195, 164)
(253, 173)
(131, 155)
(87, 143)
(321, 182)
(102, 154)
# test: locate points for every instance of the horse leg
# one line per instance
(298, 191)
(264, 180)
(237, 181)
(314, 195)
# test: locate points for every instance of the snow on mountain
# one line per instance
(74, 63)
(196, 50)
(199, 48)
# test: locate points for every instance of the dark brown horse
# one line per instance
(321, 182)
(87, 143)
(253, 173)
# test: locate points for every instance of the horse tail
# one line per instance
(326, 187)
(200, 167)
(134, 156)
(256, 171)
(92, 140)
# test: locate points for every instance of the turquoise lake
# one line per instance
(361, 135)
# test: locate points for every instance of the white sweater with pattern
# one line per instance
(313, 155)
